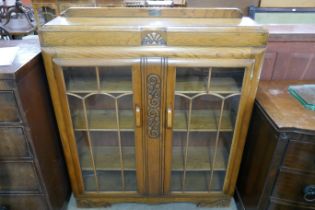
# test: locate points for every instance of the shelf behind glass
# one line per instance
(110, 79)
(218, 85)
(202, 120)
(87, 85)
(110, 181)
(197, 181)
(107, 158)
(104, 120)
(209, 79)
(199, 158)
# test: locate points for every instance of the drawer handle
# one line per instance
(309, 193)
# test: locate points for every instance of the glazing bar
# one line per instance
(98, 82)
(209, 79)
(120, 149)
(90, 144)
(216, 143)
(187, 144)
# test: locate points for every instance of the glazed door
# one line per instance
(202, 122)
(103, 101)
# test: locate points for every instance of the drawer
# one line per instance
(18, 176)
(290, 186)
(9, 111)
(13, 143)
(300, 155)
(283, 206)
(302, 137)
(6, 84)
(23, 202)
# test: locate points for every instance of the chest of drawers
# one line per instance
(32, 170)
(278, 167)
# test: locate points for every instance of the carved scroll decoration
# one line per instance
(154, 105)
(153, 38)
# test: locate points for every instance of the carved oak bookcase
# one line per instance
(153, 105)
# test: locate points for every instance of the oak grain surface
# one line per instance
(201, 39)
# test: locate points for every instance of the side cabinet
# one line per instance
(33, 174)
(277, 170)
(149, 111)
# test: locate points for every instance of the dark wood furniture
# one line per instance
(290, 53)
(278, 161)
(32, 169)
(16, 19)
(17, 28)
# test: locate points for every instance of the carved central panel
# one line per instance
(154, 105)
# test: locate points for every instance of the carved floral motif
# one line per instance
(154, 105)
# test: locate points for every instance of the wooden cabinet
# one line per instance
(277, 170)
(153, 104)
(33, 175)
(290, 53)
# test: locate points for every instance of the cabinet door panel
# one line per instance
(205, 104)
(101, 101)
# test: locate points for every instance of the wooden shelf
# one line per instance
(80, 85)
(197, 181)
(202, 121)
(104, 120)
(110, 85)
(117, 85)
(107, 158)
(199, 158)
(110, 181)
(217, 85)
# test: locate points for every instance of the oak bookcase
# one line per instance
(153, 105)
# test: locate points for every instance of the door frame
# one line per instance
(65, 122)
(248, 65)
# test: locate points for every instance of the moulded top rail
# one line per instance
(153, 12)
(192, 27)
